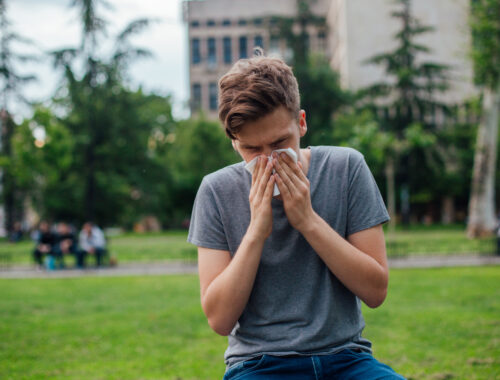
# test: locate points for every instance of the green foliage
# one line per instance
(200, 147)
(11, 83)
(485, 27)
(129, 171)
(321, 97)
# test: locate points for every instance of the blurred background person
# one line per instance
(92, 242)
(44, 246)
(17, 233)
(66, 243)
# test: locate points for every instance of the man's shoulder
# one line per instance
(226, 176)
(337, 155)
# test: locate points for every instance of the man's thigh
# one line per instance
(354, 365)
(272, 368)
(348, 365)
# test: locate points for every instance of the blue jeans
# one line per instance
(346, 364)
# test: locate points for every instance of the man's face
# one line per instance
(63, 228)
(44, 227)
(278, 130)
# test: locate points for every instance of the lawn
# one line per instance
(172, 245)
(435, 324)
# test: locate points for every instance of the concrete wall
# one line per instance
(360, 29)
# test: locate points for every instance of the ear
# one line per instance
(302, 123)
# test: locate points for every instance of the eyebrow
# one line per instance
(278, 140)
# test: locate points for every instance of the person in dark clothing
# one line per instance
(44, 243)
(17, 233)
(66, 243)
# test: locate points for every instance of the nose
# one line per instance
(267, 152)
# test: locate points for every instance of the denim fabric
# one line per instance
(345, 365)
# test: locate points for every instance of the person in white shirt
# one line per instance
(92, 242)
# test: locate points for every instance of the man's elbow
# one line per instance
(377, 298)
(220, 328)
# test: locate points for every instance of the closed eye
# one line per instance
(277, 144)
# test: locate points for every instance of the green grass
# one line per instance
(172, 245)
(436, 240)
(435, 324)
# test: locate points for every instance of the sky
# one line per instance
(52, 24)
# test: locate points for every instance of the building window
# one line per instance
(322, 41)
(242, 22)
(227, 50)
(195, 51)
(257, 21)
(274, 46)
(212, 57)
(258, 42)
(195, 24)
(243, 47)
(213, 96)
(210, 23)
(226, 22)
(196, 98)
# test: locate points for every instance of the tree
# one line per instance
(320, 91)
(199, 147)
(363, 132)
(485, 27)
(11, 83)
(101, 115)
(409, 99)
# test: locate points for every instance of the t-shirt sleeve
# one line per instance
(366, 207)
(206, 228)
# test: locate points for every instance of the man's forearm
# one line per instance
(359, 272)
(227, 295)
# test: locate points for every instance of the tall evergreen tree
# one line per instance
(406, 99)
(11, 82)
(94, 96)
(485, 27)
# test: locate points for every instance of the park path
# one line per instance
(184, 267)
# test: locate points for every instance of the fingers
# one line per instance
(290, 166)
(264, 179)
(268, 194)
(285, 174)
(256, 170)
(290, 179)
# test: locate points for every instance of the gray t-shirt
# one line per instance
(297, 306)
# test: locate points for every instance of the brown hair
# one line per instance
(254, 88)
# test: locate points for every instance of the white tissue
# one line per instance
(250, 166)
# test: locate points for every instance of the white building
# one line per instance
(360, 29)
(222, 31)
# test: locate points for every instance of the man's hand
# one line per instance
(295, 191)
(261, 192)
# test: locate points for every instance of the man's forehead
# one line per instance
(254, 139)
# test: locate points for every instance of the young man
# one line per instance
(283, 277)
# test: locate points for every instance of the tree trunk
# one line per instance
(7, 179)
(482, 220)
(448, 210)
(391, 192)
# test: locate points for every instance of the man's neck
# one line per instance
(305, 159)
